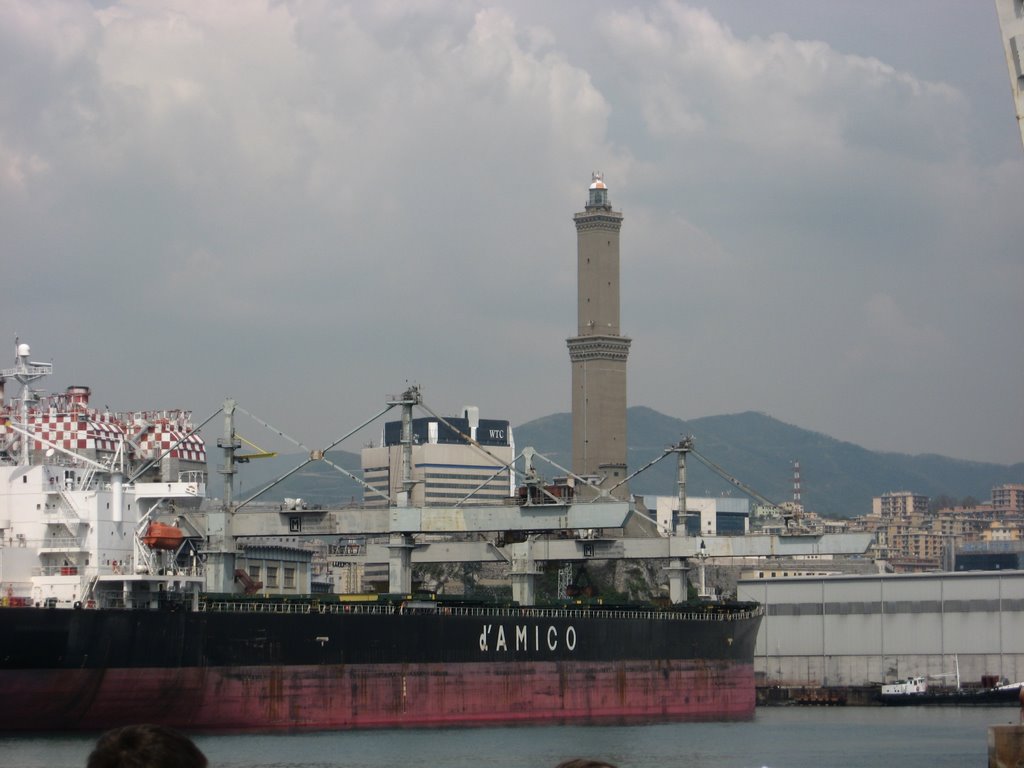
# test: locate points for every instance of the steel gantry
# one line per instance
(535, 527)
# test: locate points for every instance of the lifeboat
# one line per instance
(163, 536)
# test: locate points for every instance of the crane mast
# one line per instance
(1011, 24)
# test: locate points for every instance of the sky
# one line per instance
(309, 206)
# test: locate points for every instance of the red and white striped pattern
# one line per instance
(75, 432)
(162, 436)
(93, 431)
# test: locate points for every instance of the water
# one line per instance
(779, 737)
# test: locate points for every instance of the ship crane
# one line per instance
(685, 446)
(1011, 25)
(521, 533)
(244, 458)
(790, 518)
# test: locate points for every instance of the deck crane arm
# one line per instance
(738, 483)
(243, 458)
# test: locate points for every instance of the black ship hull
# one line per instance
(296, 667)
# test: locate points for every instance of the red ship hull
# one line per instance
(385, 695)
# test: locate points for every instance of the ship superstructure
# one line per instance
(80, 490)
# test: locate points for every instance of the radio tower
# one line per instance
(796, 483)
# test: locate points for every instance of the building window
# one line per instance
(271, 576)
(289, 578)
(254, 572)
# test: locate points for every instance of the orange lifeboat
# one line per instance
(163, 536)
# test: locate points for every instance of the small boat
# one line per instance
(912, 686)
(163, 536)
(914, 691)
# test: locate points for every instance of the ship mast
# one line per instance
(25, 372)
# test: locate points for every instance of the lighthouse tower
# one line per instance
(598, 352)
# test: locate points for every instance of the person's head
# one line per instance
(145, 746)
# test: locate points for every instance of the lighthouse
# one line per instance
(598, 352)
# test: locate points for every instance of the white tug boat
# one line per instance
(912, 686)
(915, 691)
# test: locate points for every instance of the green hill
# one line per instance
(838, 479)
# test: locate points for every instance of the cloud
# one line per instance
(323, 195)
(891, 338)
(773, 94)
(17, 169)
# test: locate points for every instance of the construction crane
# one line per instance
(1011, 24)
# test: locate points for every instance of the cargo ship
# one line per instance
(111, 614)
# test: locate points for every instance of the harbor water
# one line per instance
(778, 737)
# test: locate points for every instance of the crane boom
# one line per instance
(1011, 24)
(735, 481)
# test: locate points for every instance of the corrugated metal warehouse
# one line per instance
(859, 630)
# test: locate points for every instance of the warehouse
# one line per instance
(860, 630)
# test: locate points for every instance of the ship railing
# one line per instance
(61, 542)
(51, 542)
(272, 606)
(15, 594)
(260, 606)
(625, 613)
(57, 570)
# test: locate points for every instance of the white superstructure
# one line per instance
(908, 687)
(79, 489)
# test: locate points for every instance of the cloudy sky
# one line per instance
(308, 205)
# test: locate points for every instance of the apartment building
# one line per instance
(899, 504)
(1008, 499)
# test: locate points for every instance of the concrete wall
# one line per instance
(858, 630)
